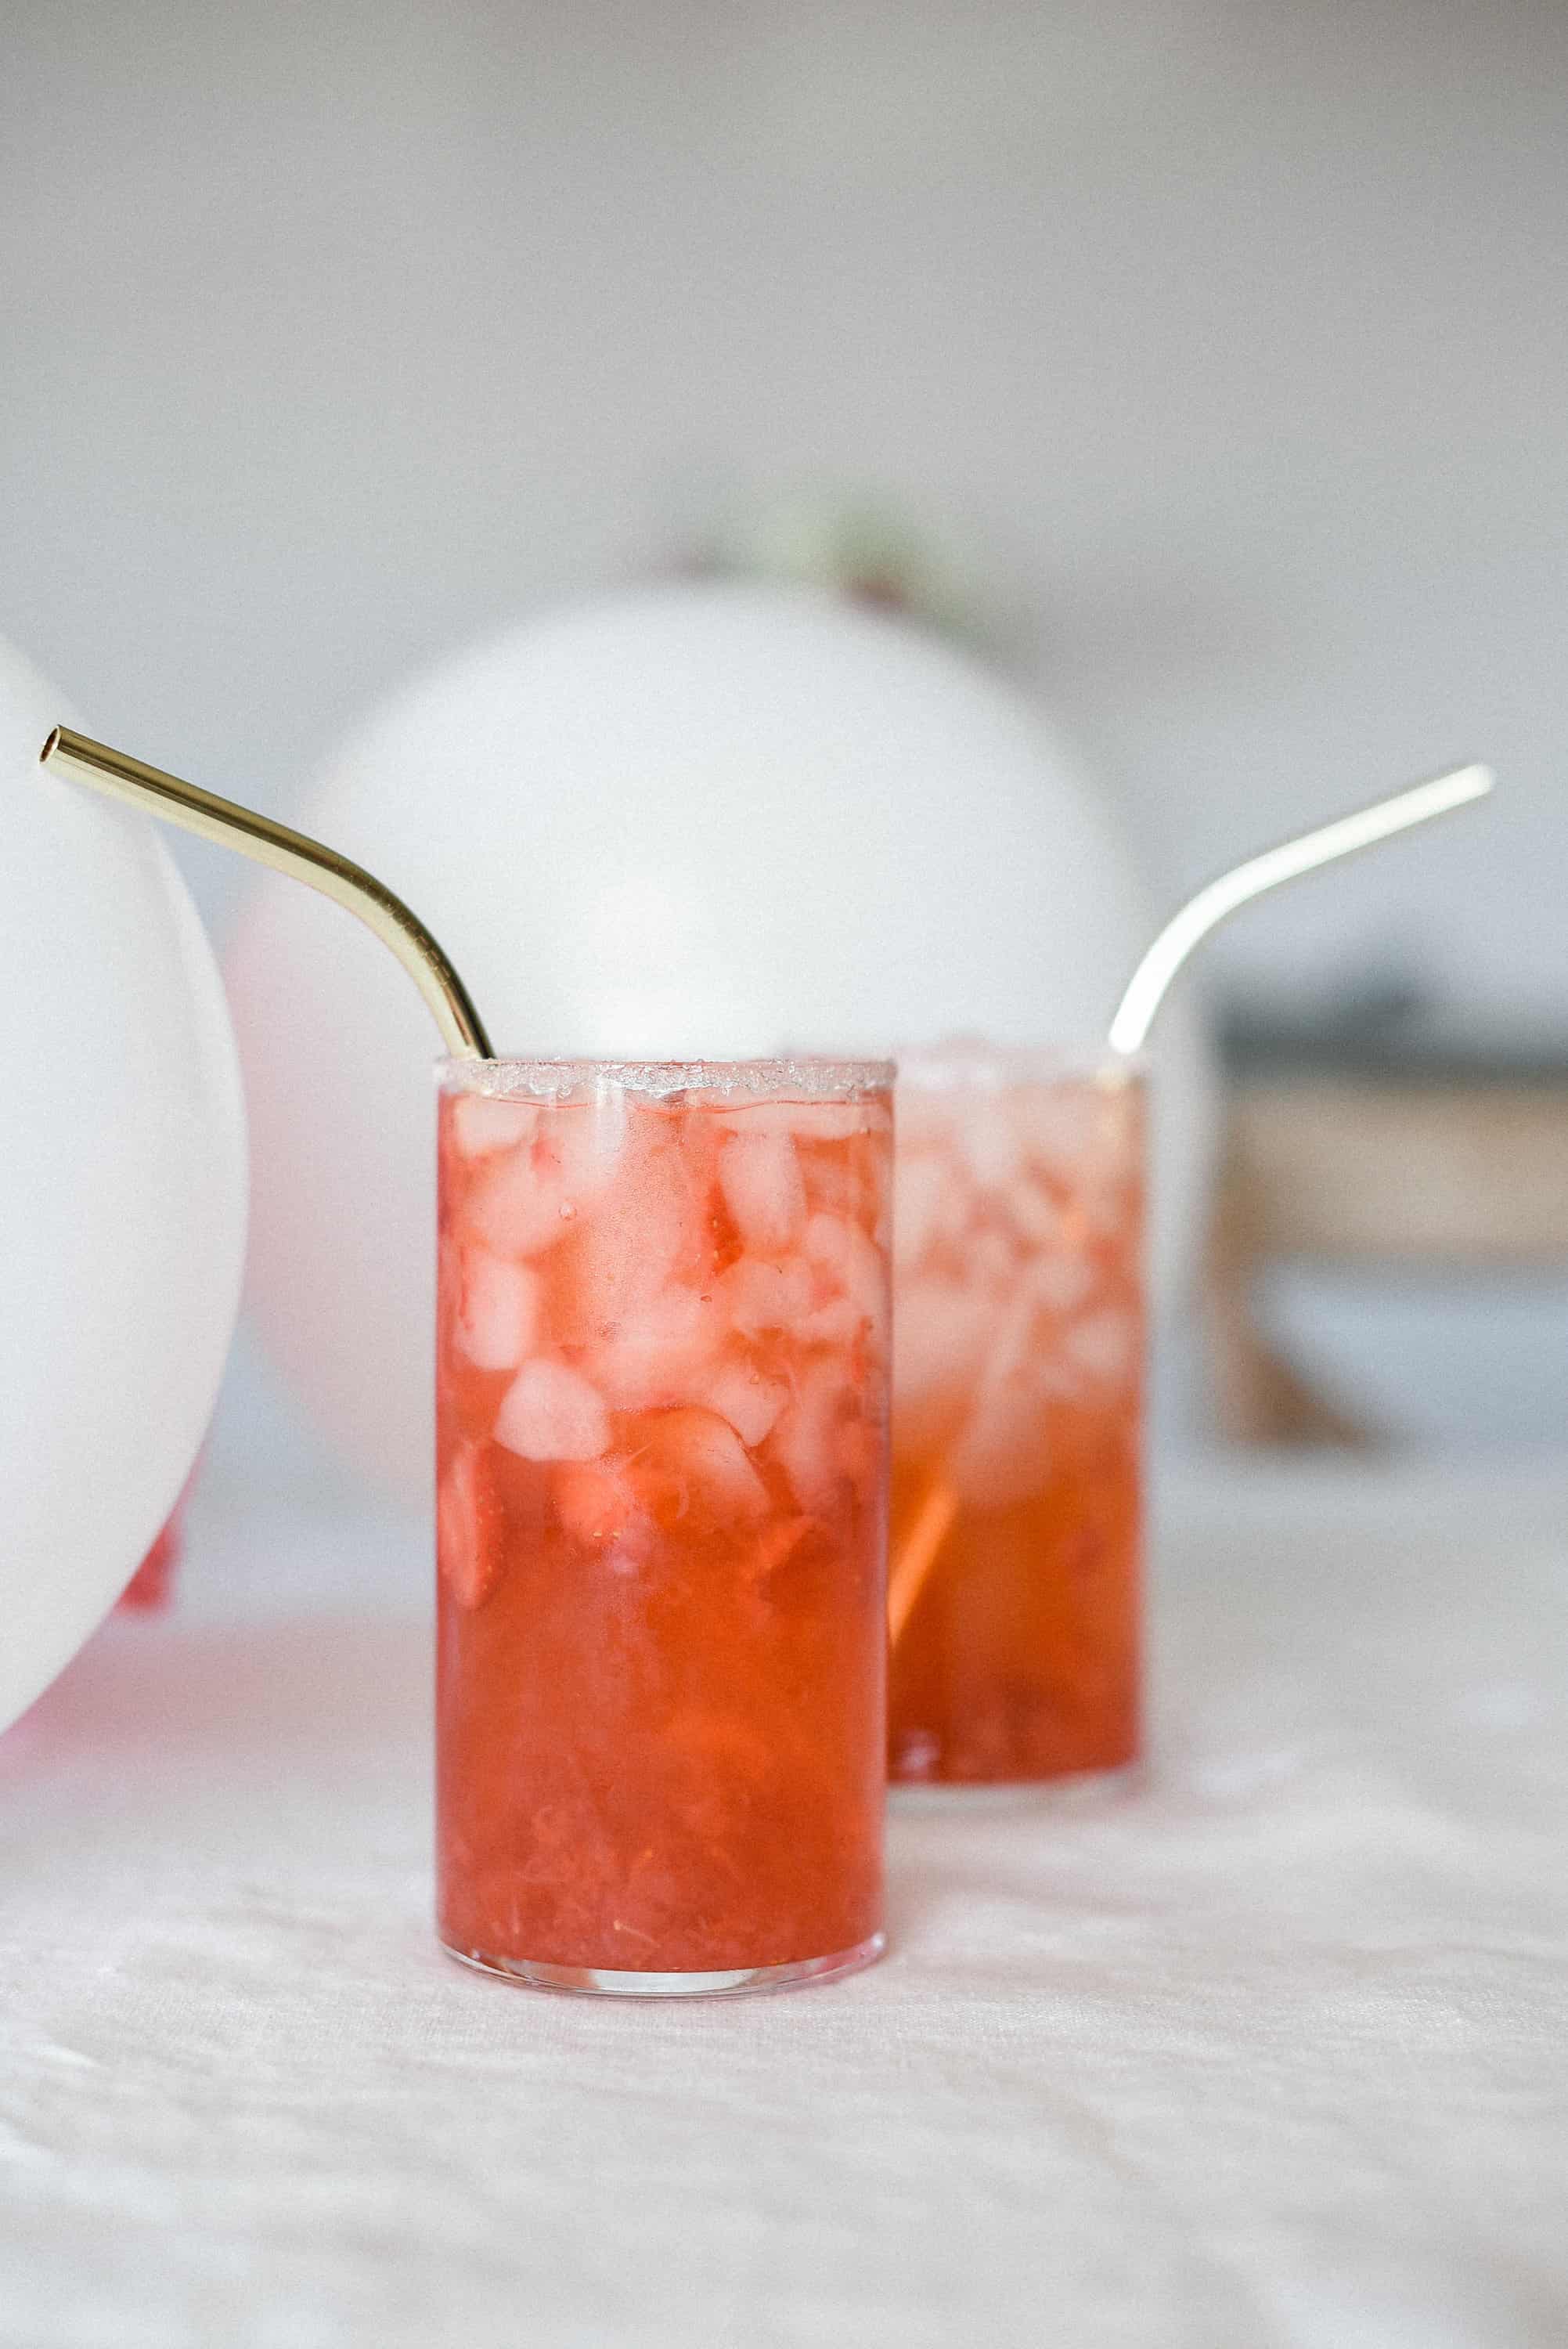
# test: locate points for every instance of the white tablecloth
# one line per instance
(1271, 2052)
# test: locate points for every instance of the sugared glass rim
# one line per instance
(971, 1064)
(792, 1076)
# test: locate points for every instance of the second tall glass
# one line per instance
(1017, 1418)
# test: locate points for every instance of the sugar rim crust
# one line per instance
(800, 1077)
(964, 1063)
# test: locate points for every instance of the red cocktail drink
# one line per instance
(661, 1520)
(1017, 1421)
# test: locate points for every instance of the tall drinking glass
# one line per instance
(1017, 1418)
(661, 1407)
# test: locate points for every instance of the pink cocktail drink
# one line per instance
(661, 1520)
(1017, 1419)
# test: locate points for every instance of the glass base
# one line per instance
(729, 1981)
(1068, 1789)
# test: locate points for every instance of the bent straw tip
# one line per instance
(1456, 787)
(1473, 777)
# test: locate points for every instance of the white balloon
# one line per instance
(122, 1195)
(695, 819)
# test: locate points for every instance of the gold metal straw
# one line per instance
(1147, 987)
(911, 1567)
(274, 845)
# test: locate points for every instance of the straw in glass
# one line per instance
(1146, 989)
(256, 836)
(1135, 1014)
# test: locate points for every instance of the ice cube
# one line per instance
(533, 1196)
(552, 1412)
(470, 1529)
(480, 1124)
(992, 1143)
(806, 1442)
(827, 1436)
(659, 1353)
(836, 1323)
(760, 1295)
(595, 1501)
(849, 1264)
(648, 1227)
(759, 1175)
(808, 1121)
(513, 1208)
(497, 1311)
(1061, 1126)
(833, 1181)
(586, 1141)
(692, 1461)
(740, 1394)
(1085, 1138)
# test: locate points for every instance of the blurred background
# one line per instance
(1202, 363)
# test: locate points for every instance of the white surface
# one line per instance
(692, 819)
(1269, 2055)
(122, 1194)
